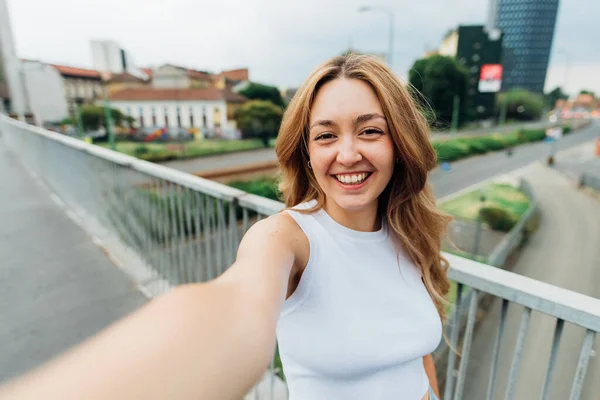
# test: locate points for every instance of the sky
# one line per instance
(282, 41)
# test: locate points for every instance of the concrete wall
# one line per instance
(45, 91)
(167, 77)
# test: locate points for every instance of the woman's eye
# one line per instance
(371, 132)
(325, 136)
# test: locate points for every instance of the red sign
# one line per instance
(490, 78)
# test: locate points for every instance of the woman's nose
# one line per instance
(348, 153)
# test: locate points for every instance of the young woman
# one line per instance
(349, 278)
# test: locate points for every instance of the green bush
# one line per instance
(567, 129)
(265, 187)
(476, 146)
(521, 105)
(497, 218)
(532, 135)
(451, 150)
(160, 156)
(511, 139)
(491, 143)
(139, 151)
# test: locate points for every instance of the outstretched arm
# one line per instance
(200, 341)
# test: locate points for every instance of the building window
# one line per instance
(191, 117)
(141, 111)
(153, 116)
(204, 117)
(217, 117)
(178, 116)
(166, 117)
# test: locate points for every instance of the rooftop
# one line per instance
(76, 72)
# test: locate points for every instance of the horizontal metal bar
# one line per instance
(540, 296)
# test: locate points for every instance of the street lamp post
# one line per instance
(390, 14)
(567, 65)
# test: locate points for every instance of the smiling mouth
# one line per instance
(352, 179)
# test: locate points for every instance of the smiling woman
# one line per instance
(348, 279)
(355, 154)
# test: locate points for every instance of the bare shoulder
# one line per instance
(277, 232)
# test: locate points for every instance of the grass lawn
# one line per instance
(191, 149)
(499, 195)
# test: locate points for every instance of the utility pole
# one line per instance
(79, 122)
(503, 106)
(108, 122)
(455, 114)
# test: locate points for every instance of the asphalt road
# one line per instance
(473, 170)
(564, 252)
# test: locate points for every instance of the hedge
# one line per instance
(456, 149)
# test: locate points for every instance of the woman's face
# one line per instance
(350, 148)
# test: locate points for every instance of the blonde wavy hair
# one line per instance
(407, 203)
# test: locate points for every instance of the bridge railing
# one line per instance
(178, 228)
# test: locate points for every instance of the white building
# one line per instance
(109, 57)
(11, 79)
(202, 108)
(45, 91)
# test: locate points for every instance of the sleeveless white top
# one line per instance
(360, 320)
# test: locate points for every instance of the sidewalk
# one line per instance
(56, 287)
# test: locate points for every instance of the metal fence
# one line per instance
(186, 229)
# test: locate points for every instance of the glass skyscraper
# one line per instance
(528, 27)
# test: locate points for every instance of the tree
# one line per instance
(257, 91)
(438, 79)
(92, 117)
(521, 104)
(552, 97)
(259, 119)
(585, 91)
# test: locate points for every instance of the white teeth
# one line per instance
(352, 179)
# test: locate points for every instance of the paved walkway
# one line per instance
(56, 286)
(564, 252)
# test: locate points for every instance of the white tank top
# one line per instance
(359, 322)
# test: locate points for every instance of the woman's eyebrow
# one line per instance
(358, 120)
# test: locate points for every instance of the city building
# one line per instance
(528, 28)
(44, 91)
(479, 50)
(118, 82)
(208, 109)
(109, 57)
(80, 84)
(12, 87)
(175, 76)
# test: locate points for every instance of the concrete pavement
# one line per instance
(564, 252)
(56, 287)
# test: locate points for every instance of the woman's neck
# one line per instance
(366, 219)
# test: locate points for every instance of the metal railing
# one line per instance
(181, 229)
